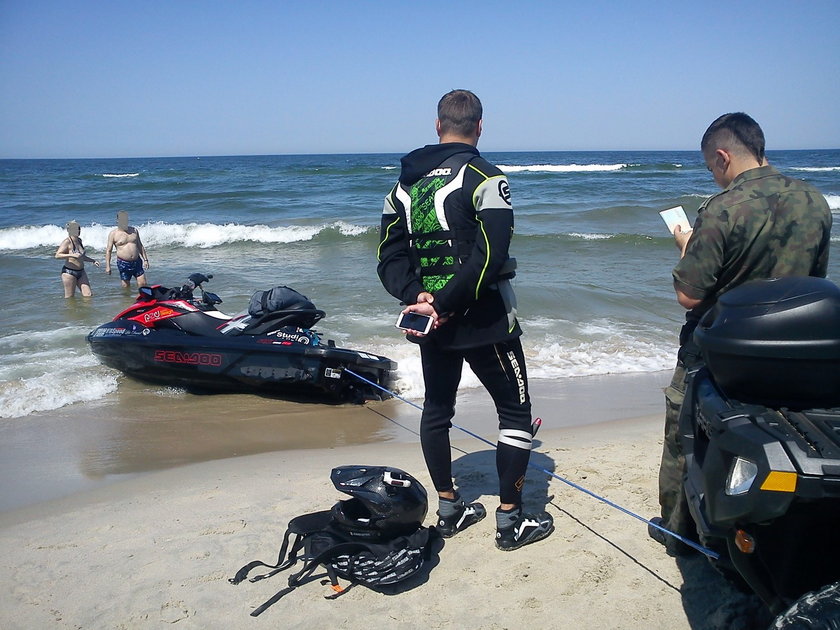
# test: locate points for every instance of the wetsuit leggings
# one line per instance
(501, 369)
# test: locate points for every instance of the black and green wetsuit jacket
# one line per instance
(446, 229)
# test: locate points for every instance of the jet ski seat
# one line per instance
(158, 292)
(301, 317)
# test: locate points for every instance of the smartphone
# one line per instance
(415, 321)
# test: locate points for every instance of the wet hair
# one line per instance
(736, 132)
(459, 112)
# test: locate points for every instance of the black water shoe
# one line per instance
(515, 528)
(459, 516)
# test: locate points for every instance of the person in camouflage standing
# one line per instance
(445, 233)
(762, 225)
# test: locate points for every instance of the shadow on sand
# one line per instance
(709, 600)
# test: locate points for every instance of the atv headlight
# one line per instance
(741, 476)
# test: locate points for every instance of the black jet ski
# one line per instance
(173, 337)
(760, 429)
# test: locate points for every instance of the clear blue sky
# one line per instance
(122, 78)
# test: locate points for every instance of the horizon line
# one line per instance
(489, 151)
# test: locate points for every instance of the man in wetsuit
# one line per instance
(445, 233)
(131, 255)
(763, 225)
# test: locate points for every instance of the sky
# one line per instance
(122, 78)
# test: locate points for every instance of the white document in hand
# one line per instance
(674, 217)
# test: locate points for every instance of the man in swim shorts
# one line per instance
(131, 255)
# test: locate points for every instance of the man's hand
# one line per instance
(423, 306)
(681, 238)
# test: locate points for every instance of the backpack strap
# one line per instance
(310, 564)
(302, 526)
(280, 564)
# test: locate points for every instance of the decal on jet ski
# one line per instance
(188, 358)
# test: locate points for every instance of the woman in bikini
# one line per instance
(73, 273)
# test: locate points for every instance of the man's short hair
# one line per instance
(736, 132)
(459, 112)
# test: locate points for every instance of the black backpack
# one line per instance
(317, 542)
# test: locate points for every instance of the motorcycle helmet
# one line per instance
(385, 502)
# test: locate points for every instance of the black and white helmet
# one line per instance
(386, 502)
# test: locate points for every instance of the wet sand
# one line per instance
(141, 429)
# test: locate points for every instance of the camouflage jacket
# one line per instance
(763, 225)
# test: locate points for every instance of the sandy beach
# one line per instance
(155, 546)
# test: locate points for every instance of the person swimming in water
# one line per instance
(73, 273)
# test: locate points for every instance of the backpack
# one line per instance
(277, 299)
(318, 542)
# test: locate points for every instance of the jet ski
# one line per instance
(175, 337)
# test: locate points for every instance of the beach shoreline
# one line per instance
(141, 429)
(158, 548)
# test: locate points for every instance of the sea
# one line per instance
(594, 256)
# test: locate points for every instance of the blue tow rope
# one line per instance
(694, 545)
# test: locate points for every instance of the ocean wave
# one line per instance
(595, 348)
(661, 166)
(120, 175)
(200, 235)
(833, 201)
(561, 168)
(591, 237)
(33, 380)
(815, 169)
(583, 349)
(50, 391)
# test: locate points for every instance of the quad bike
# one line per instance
(760, 429)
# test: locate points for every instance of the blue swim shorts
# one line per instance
(130, 269)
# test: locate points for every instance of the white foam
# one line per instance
(201, 235)
(587, 349)
(591, 237)
(594, 348)
(120, 175)
(815, 169)
(833, 201)
(55, 389)
(562, 168)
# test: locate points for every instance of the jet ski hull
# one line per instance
(265, 364)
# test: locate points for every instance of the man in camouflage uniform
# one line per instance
(763, 225)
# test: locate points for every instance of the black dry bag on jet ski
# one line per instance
(284, 299)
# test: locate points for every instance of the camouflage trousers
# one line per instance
(672, 501)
